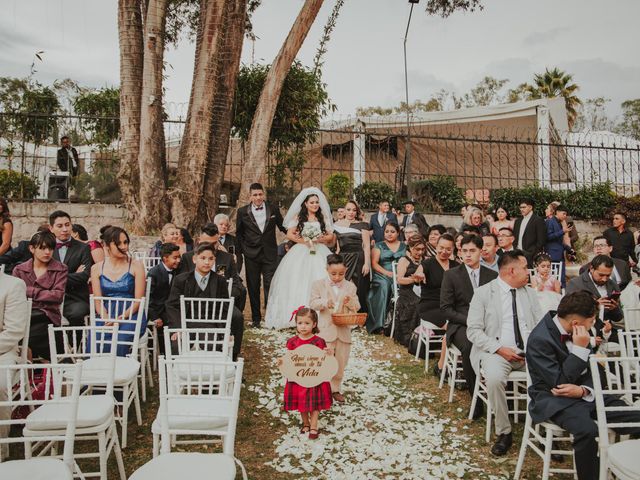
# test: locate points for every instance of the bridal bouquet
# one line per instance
(309, 233)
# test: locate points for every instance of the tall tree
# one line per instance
(258, 142)
(154, 208)
(630, 124)
(593, 116)
(557, 83)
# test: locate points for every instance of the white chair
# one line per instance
(2, 268)
(210, 313)
(62, 409)
(127, 367)
(23, 352)
(517, 394)
(621, 458)
(149, 262)
(395, 295)
(452, 369)
(143, 345)
(182, 412)
(426, 339)
(95, 348)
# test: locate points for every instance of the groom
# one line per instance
(256, 231)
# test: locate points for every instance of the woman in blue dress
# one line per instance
(119, 276)
(382, 257)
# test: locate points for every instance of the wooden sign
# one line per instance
(308, 366)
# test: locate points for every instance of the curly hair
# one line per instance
(303, 216)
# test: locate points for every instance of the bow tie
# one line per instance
(259, 208)
(336, 284)
(63, 244)
(565, 337)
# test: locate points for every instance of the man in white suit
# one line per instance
(502, 313)
(13, 318)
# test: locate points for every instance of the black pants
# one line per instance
(256, 268)
(39, 336)
(579, 421)
(460, 340)
(240, 300)
(75, 311)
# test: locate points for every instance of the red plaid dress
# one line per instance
(303, 399)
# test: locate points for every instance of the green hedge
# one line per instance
(589, 203)
(17, 185)
(439, 194)
(337, 187)
(370, 194)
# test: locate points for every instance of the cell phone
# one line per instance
(220, 269)
(231, 249)
(615, 296)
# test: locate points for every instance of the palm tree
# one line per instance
(556, 83)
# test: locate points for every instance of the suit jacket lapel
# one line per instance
(464, 276)
(555, 333)
(251, 217)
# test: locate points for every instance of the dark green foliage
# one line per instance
(629, 206)
(590, 203)
(439, 194)
(369, 194)
(283, 174)
(337, 187)
(95, 105)
(17, 185)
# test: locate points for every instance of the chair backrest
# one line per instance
(150, 262)
(230, 286)
(24, 344)
(630, 347)
(556, 270)
(631, 317)
(120, 310)
(205, 312)
(147, 297)
(198, 342)
(139, 254)
(60, 384)
(394, 285)
(218, 396)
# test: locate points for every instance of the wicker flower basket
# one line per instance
(346, 319)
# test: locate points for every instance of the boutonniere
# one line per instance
(272, 216)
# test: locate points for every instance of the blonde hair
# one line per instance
(165, 230)
(471, 211)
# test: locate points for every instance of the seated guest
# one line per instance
(80, 234)
(501, 316)
(597, 281)
(474, 221)
(542, 280)
(227, 240)
(185, 242)
(46, 280)
(457, 251)
(162, 276)
(119, 276)
(77, 257)
(169, 234)
(435, 232)
(6, 227)
(458, 287)
(203, 282)
(408, 284)
(561, 389)
(383, 255)
(409, 231)
(505, 240)
(432, 270)
(21, 253)
(470, 230)
(489, 254)
(621, 273)
(13, 317)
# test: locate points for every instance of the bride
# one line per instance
(305, 262)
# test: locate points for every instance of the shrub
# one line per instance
(337, 187)
(630, 206)
(18, 185)
(439, 194)
(370, 194)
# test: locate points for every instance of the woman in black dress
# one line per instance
(432, 270)
(354, 244)
(408, 282)
(435, 231)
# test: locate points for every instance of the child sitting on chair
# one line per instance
(335, 295)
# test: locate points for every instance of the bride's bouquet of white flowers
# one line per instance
(310, 233)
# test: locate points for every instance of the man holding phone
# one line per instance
(501, 315)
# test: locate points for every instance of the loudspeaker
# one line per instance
(57, 187)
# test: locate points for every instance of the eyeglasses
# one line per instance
(524, 207)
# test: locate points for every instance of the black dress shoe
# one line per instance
(478, 412)
(502, 445)
(255, 324)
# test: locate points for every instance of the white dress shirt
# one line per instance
(260, 216)
(169, 271)
(602, 289)
(508, 335)
(202, 281)
(381, 218)
(523, 227)
(474, 276)
(580, 352)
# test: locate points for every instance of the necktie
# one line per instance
(565, 337)
(516, 324)
(474, 278)
(62, 244)
(203, 283)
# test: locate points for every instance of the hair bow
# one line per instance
(295, 312)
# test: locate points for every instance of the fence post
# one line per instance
(359, 157)
(544, 153)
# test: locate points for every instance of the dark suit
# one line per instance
(160, 288)
(67, 160)
(623, 269)
(585, 282)
(231, 241)
(419, 221)
(456, 293)
(186, 284)
(378, 230)
(534, 238)
(76, 298)
(550, 364)
(260, 250)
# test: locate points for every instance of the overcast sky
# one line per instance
(596, 41)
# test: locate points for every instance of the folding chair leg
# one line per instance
(118, 452)
(156, 445)
(474, 399)
(523, 449)
(427, 348)
(149, 371)
(487, 431)
(443, 374)
(452, 379)
(419, 345)
(102, 451)
(143, 375)
(136, 402)
(125, 414)
(546, 461)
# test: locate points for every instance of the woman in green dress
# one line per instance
(390, 250)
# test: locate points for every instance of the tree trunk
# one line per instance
(228, 67)
(154, 208)
(258, 141)
(195, 145)
(131, 54)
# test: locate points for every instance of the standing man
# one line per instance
(77, 257)
(489, 255)
(67, 159)
(621, 239)
(411, 216)
(501, 316)
(379, 220)
(530, 231)
(555, 246)
(256, 234)
(458, 287)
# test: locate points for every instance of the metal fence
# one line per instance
(479, 159)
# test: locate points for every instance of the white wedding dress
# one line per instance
(291, 284)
